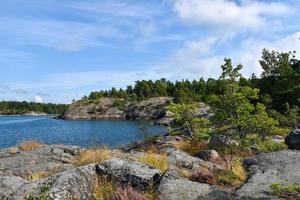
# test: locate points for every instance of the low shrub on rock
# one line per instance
(203, 177)
(286, 192)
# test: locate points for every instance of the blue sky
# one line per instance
(56, 51)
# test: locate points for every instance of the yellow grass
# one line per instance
(157, 160)
(234, 176)
(13, 150)
(30, 145)
(104, 190)
(33, 176)
(238, 169)
(93, 155)
(190, 147)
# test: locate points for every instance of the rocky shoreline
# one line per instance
(60, 176)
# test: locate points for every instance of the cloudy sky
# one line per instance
(56, 51)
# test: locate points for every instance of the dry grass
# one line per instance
(104, 190)
(191, 147)
(157, 160)
(235, 174)
(33, 176)
(238, 169)
(93, 155)
(184, 173)
(30, 145)
(13, 150)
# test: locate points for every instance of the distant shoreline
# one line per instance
(22, 115)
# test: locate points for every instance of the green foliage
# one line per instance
(280, 78)
(15, 108)
(119, 103)
(288, 192)
(269, 146)
(226, 177)
(185, 116)
(42, 196)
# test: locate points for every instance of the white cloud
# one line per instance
(227, 13)
(38, 99)
(201, 57)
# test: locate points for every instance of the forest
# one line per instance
(17, 108)
(278, 85)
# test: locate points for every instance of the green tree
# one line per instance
(185, 116)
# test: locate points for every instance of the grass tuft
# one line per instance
(235, 174)
(104, 190)
(33, 176)
(93, 155)
(30, 145)
(13, 150)
(286, 192)
(157, 160)
(191, 147)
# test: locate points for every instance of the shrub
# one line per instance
(128, 193)
(269, 146)
(286, 192)
(157, 160)
(30, 145)
(203, 177)
(93, 155)
(119, 103)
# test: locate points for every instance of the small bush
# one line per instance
(128, 193)
(286, 192)
(30, 145)
(159, 161)
(119, 103)
(203, 177)
(269, 146)
(93, 155)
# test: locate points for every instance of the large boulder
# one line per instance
(277, 167)
(77, 183)
(174, 187)
(293, 139)
(48, 158)
(137, 175)
(180, 159)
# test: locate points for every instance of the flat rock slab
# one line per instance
(137, 175)
(48, 158)
(174, 187)
(72, 184)
(282, 167)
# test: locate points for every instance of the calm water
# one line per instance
(14, 129)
